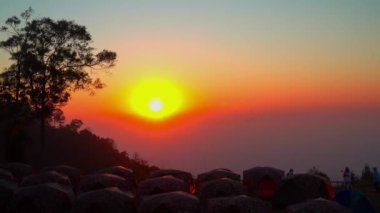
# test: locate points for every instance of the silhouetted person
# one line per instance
(347, 178)
(376, 178)
(290, 173)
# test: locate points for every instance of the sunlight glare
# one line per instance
(155, 104)
(156, 99)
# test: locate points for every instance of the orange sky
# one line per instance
(214, 77)
(232, 55)
(231, 60)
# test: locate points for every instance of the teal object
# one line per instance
(354, 200)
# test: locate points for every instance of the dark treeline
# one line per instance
(68, 144)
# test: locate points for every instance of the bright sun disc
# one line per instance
(156, 99)
(155, 104)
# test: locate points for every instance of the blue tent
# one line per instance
(354, 200)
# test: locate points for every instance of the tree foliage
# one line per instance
(51, 60)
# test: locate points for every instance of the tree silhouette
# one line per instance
(51, 60)
(57, 118)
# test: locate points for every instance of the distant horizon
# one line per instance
(353, 154)
(232, 84)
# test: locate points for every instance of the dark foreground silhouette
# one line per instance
(67, 145)
(65, 189)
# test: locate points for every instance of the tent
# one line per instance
(222, 187)
(123, 172)
(43, 198)
(300, 188)
(162, 184)
(218, 173)
(46, 177)
(262, 181)
(107, 200)
(119, 170)
(317, 206)
(100, 181)
(72, 173)
(18, 170)
(354, 200)
(237, 204)
(7, 189)
(170, 202)
(6, 175)
(185, 176)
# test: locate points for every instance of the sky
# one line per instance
(289, 84)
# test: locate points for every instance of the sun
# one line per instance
(156, 99)
(155, 104)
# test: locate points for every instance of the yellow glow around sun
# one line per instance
(156, 99)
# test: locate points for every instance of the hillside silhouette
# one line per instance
(68, 144)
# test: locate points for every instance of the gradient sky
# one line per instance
(280, 83)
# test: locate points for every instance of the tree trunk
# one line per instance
(42, 119)
(42, 135)
(18, 76)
